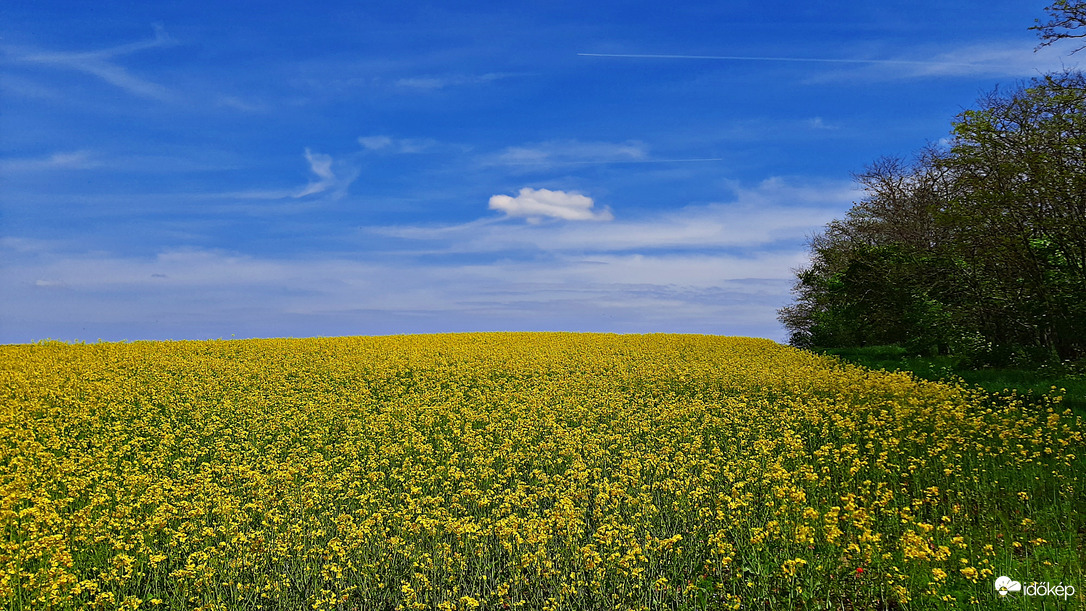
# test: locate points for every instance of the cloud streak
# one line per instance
(321, 166)
(74, 160)
(99, 64)
(329, 177)
(718, 268)
(434, 83)
(405, 146)
(772, 212)
(206, 293)
(555, 153)
(824, 60)
(1007, 58)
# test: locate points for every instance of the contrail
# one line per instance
(780, 59)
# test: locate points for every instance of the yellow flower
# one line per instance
(600, 464)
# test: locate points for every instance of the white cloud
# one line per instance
(1003, 58)
(321, 166)
(13, 85)
(555, 152)
(1012, 58)
(330, 177)
(535, 204)
(774, 211)
(201, 293)
(237, 103)
(396, 145)
(819, 123)
(70, 160)
(29, 245)
(99, 64)
(375, 143)
(432, 83)
(720, 268)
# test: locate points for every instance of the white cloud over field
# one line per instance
(536, 204)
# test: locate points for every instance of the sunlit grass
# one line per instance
(521, 471)
(1031, 383)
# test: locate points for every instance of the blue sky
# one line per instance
(192, 170)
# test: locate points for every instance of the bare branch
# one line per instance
(1067, 19)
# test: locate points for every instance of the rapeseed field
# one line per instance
(522, 471)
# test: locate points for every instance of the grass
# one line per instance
(1033, 384)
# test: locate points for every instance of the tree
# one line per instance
(1067, 19)
(978, 250)
(878, 276)
(1019, 211)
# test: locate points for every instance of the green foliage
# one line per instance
(978, 250)
(1020, 212)
(1066, 380)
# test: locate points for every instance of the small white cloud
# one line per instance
(396, 145)
(74, 160)
(375, 143)
(434, 83)
(535, 204)
(237, 103)
(819, 123)
(555, 152)
(330, 178)
(423, 82)
(321, 165)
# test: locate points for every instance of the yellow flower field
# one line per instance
(520, 471)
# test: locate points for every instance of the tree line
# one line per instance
(975, 248)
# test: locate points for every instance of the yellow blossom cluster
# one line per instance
(516, 471)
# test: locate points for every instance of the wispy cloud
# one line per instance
(536, 204)
(1004, 58)
(102, 65)
(555, 152)
(13, 86)
(718, 268)
(750, 58)
(820, 124)
(432, 83)
(321, 166)
(329, 177)
(1011, 58)
(68, 160)
(160, 296)
(388, 144)
(773, 212)
(238, 103)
